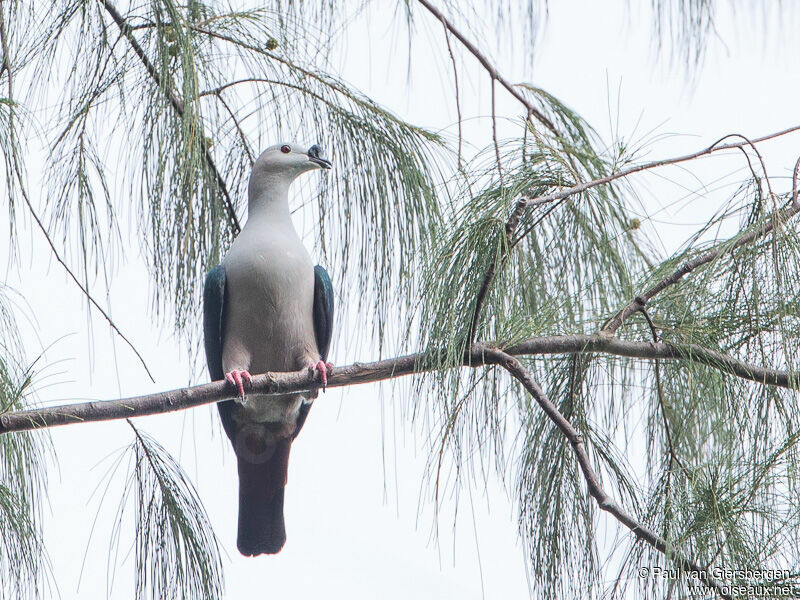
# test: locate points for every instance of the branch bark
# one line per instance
(595, 487)
(480, 354)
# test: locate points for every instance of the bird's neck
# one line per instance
(270, 202)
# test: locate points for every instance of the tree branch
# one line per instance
(177, 104)
(511, 228)
(523, 203)
(604, 501)
(83, 288)
(490, 68)
(778, 216)
(458, 94)
(712, 149)
(480, 354)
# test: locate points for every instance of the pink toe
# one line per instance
(323, 373)
(235, 378)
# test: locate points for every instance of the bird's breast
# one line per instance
(269, 306)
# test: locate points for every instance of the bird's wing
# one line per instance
(214, 335)
(213, 304)
(323, 310)
(323, 327)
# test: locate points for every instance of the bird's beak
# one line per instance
(315, 156)
(322, 162)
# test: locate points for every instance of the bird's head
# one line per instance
(290, 159)
(280, 164)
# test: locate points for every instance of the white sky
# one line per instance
(356, 528)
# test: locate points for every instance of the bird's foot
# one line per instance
(323, 368)
(236, 378)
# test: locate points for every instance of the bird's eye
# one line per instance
(286, 149)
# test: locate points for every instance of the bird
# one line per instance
(267, 308)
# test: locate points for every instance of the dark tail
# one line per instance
(261, 485)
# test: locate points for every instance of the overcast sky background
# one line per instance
(356, 526)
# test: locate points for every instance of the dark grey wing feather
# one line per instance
(323, 310)
(214, 335)
(213, 305)
(323, 327)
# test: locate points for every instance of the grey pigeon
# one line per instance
(267, 308)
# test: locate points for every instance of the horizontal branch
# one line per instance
(357, 373)
(656, 351)
(596, 490)
(174, 400)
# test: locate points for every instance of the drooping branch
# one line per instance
(595, 487)
(488, 278)
(177, 105)
(662, 404)
(523, 203)
(83, 288)
(480, 354)
(6, 66)
(795, 189)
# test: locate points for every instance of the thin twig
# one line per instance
(458, 93)
(77, 282)
(673, 457)
(224, 86)
(239, 129)
(760, 159)
(490, 68)
(177, 104)
(510, 229)
(662, 405)
(777, 216)
(357, 373)
(595, 487)
(6, 65)
(494, 137)
(794, 182)
(587, 185)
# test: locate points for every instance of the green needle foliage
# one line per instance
(176, 552)
(206, 77)
(153, 113)
(24, 566)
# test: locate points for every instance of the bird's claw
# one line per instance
(323, 368)
(236, 378)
